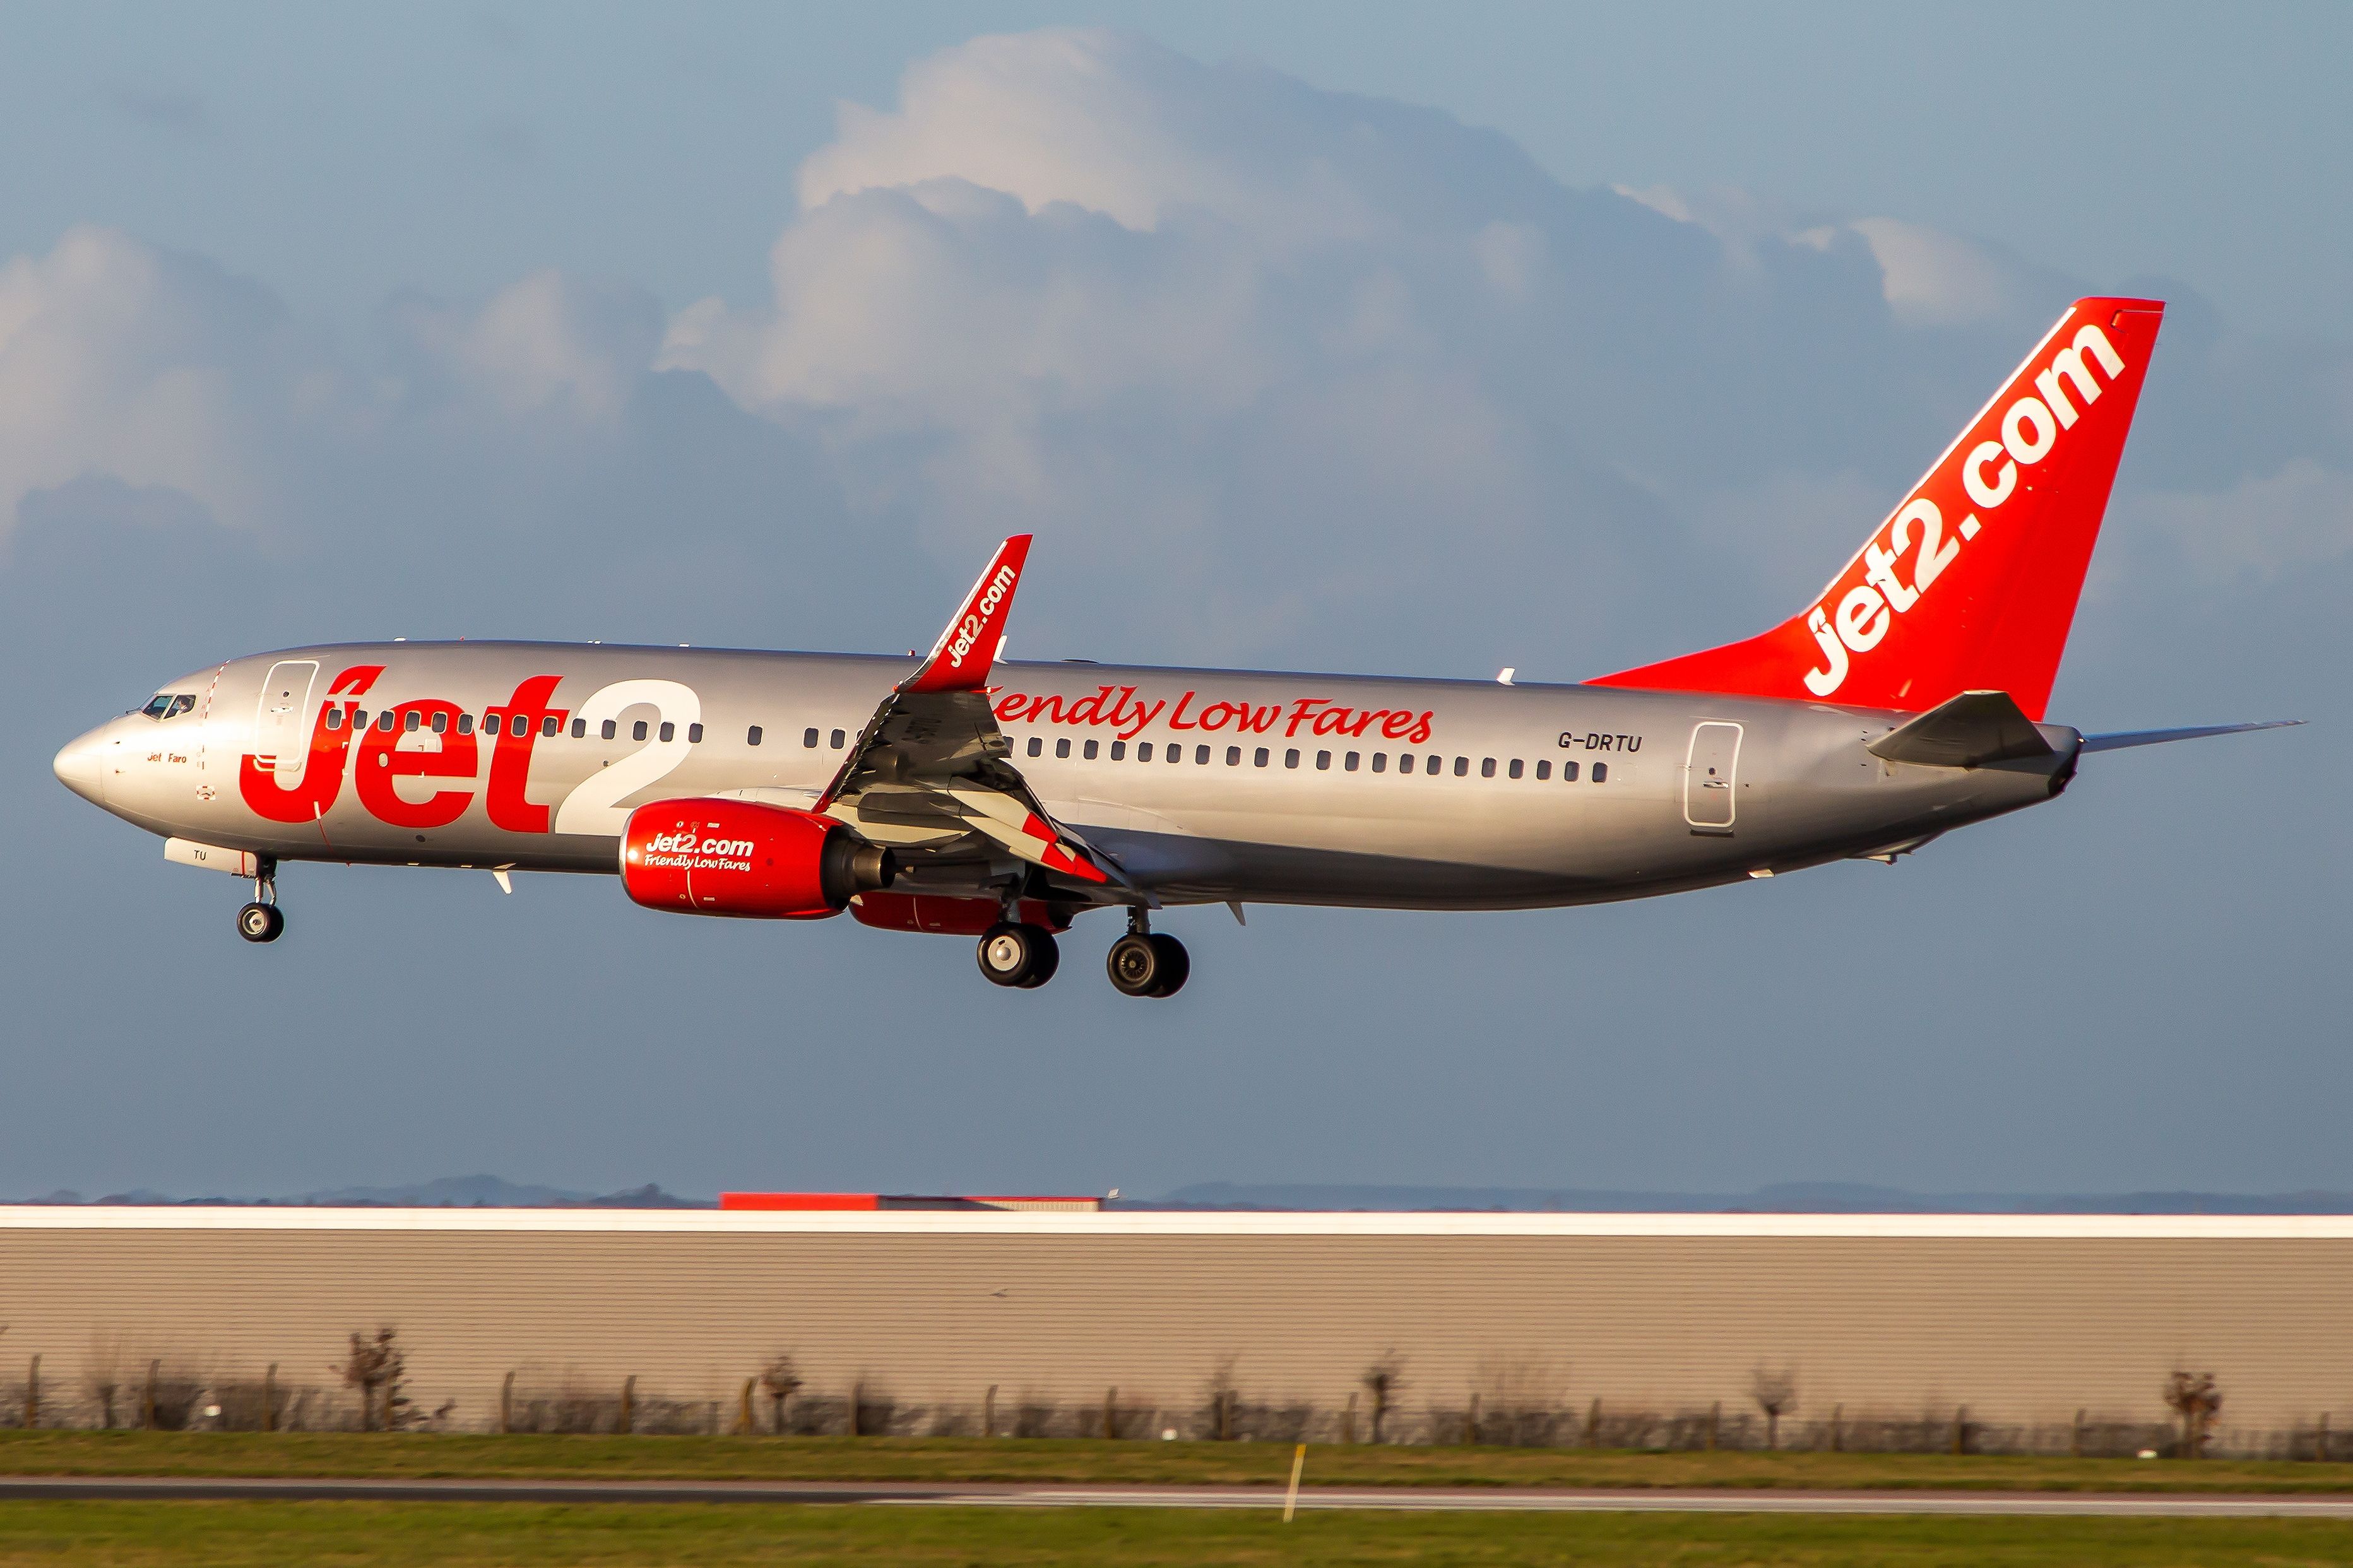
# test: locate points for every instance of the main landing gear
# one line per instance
(1024, 956)
(261, 921)
(1147, 964)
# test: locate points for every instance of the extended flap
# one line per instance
(1964, 731)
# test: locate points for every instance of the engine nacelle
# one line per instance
(741, 857)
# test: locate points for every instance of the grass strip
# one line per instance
(515, 1535)
(450, 1455)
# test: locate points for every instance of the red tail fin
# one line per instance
(1972, 584)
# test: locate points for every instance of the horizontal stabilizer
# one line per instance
(1964, 731)
(2123, 737)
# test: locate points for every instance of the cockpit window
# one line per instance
(170, 704)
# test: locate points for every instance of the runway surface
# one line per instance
(2152, 1505)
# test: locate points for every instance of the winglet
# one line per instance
(960, 660)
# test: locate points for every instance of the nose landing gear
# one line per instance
(261, 920)
(1144, 963)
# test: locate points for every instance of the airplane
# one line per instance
(959, 793)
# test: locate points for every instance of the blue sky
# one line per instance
(1307, 336)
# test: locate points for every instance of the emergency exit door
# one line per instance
(1712, 777)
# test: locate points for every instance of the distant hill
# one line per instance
(1789, 1197)
(446, 1192)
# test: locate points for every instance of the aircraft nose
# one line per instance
(78, 767)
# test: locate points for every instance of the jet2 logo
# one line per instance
(684, 850)
(1989, 475)
(968, 629)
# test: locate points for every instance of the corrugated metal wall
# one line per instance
(2020, 1328)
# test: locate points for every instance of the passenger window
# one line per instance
(1461, 766)
(809, 738)
(1601, 773)
(1062, 747)
(1568, 772)
(837, 740)
(694, 735)
(1118, 750)
(1143, 751)
(440, 724)
(412, 722)
(1405, 762)
(1380, 762)
(335, 718)
(1175, 752)
(1201, 756)
(1544, 770)
(1233, 756)
(466, 726)
(668, 729)
(637, 731)
(1260, 760)
(1486, 768)
(519, 725)
(550, 725)
(580, 728)
(1036, 745)
(1348, 762)
(1323, 762)
(1093, 747)
(609, 729)
(1432, 765)
(1291, 758)
(1518, 767)
(387, 720)
(752, 736)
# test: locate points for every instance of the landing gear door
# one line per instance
(281, 732)
(1710, 777)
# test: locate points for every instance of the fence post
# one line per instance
(1837, 1428)
(1111, 1413)
(269, 1399)
(1714, 1418)
(988, 1411)
(1348, 1419)
(1470, 1423)
(628, 1402)
(1960, 1428)
(856, 1398)
(33, 1395)
(153, 1367)
(2075, 1436)
(1593, 1423)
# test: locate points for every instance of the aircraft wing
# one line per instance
(931, 769)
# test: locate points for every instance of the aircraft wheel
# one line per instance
(1144, 965)
(1049, 959)
(1022, 955)
(1175, 965)
(259, 922)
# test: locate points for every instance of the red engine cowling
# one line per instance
(740, 857)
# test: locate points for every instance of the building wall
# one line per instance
(2024, 1319)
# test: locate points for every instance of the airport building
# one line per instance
(2006, 1330)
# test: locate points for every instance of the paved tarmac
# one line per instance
(2127, 1505)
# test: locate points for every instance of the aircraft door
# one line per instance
(1710, 777)
(281, 732)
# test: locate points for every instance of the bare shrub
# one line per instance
(1520, 1402)
(2194, 1397)
(1384, 1381)
(1775, 1393)
(780, 1380)
(376, 1367)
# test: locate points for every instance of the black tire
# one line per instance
(1012, 954)
(1137, 965)
(259, 922)
(1049, 959)
(1175, 965)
